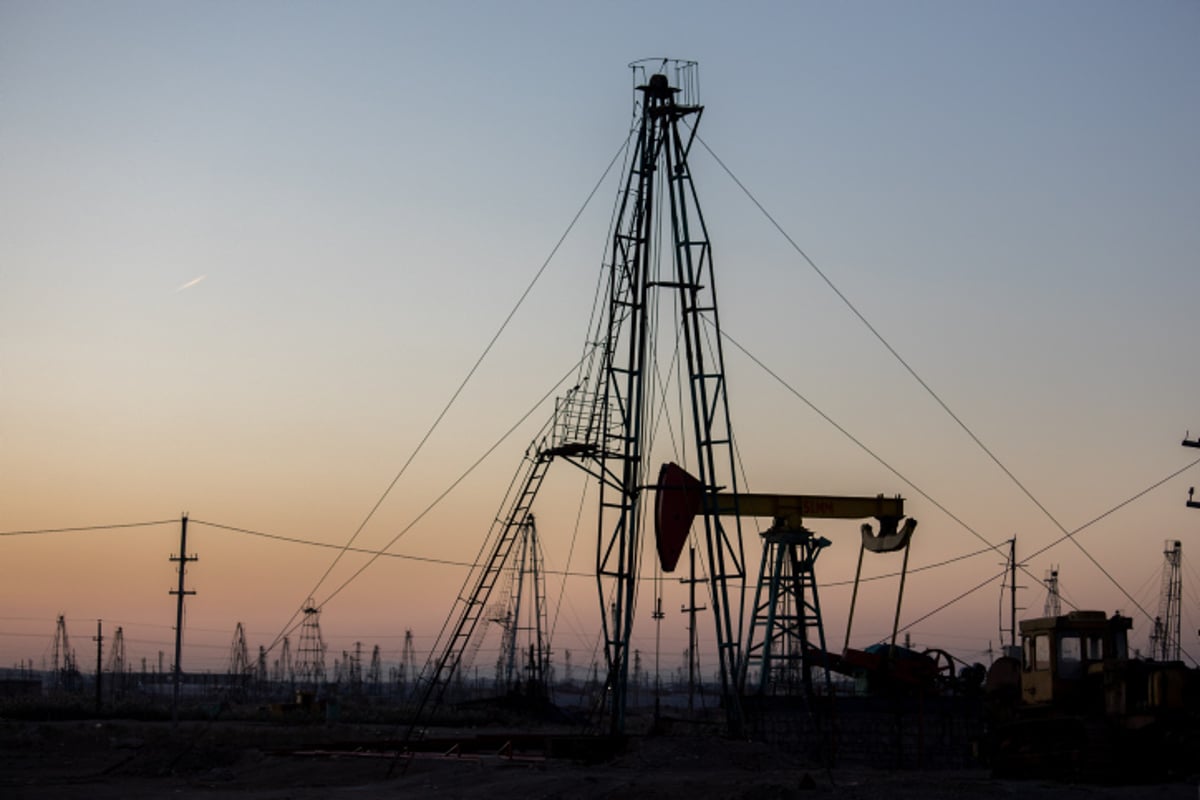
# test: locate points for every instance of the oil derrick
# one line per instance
(787, 611)
(354, 670)
(310, 654)
(658, 275)
(408, 664)
(116, 653)
(502, 616)
(375, 671)
(620, 419)
(525, 651)
(116, 662)
(239, 656)
(1053, 604)
(1165, 636)
(66, 674)
(282, 670)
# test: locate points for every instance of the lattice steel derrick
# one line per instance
(285, 671)
(66, 674)
(786, 627)
(529, 665)
(375, 671)
(621, 408)
(454, 639)
(310, 655)
(239, 654)
(696, 283)
(1053, 604)
(1165, 641)
(116, 653)
(659, 219)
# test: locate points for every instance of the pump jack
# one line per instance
(786, 604)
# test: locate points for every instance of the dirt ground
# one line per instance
(259, 761)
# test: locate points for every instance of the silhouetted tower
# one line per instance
(310, 655)
(1165, 637)
(66, 675)
(659, 223)
(116, 653)
(375, 672)
(787, 610)
(239, 654)
(1053, 605)
(117, 665)
(658, 315)
(260, 666)
(283, 671)
(525, 650)
(355, 671)
(408, 663)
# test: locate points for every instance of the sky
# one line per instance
(250, 252)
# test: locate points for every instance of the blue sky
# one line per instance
(1008, 192)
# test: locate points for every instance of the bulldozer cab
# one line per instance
(1062, 656)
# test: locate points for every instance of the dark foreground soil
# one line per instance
(124, 759)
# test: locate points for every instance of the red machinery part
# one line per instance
(679, 497)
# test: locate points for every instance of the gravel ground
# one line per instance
(121, 759)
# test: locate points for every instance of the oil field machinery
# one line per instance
(1075, 705)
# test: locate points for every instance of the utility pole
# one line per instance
(691, 610)
(657, 615)
(99, 640)
(1012, 596)
(1012, 592)
(1191, 501)
(183, 558)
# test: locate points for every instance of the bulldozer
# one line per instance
(1076, 706)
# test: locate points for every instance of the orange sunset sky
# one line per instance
(249, 252)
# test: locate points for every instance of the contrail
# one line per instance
(191, 283)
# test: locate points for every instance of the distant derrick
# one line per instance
(310, 655)
(1053, 605)
(1164, 638)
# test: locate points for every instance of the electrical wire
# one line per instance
(90, 528)
(928, 389)
(911, 570)
(330, 545)
(949, 603)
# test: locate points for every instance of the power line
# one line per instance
(882, 340)
(91, 528)
(949, 603)
(1073, 533)
(861, 445)
(948, 561)
(929, 390)
(363, 550)
(1114, 509)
